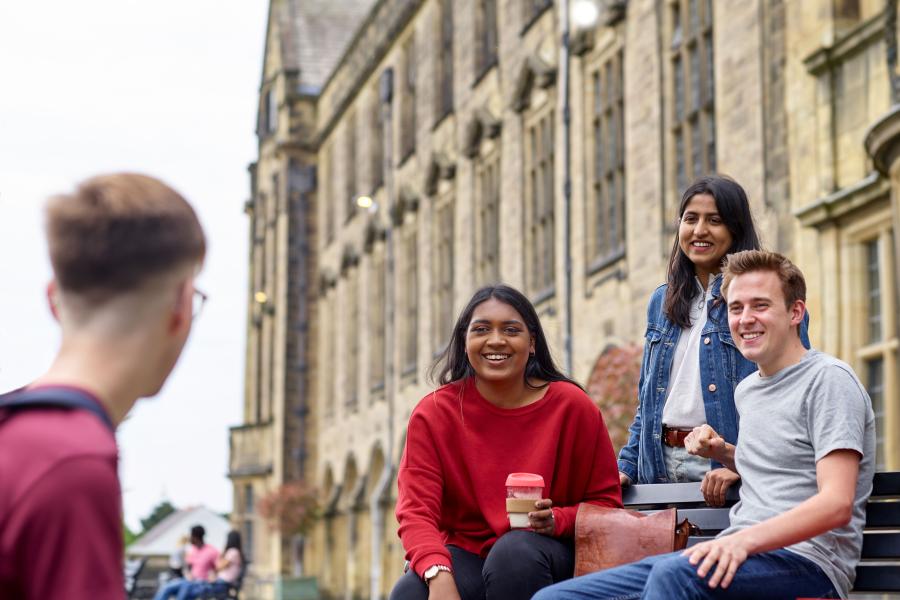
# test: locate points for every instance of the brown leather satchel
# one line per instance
(609, 537)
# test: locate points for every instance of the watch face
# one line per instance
(431, 571)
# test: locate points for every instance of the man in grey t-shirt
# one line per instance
(805, 455)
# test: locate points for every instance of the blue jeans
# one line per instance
(773, 575)
(182, 589)
(682, 467)
(170, 589)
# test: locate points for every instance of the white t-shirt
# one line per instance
(684, 398)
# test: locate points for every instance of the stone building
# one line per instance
(455, 143)
(274, 445)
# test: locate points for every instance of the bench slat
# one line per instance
(881, 545)
(877, 578)
(886, 484)
(669, 493)
(883, 514)
(710, 520)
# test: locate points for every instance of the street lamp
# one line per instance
(367, 203)
(583, 14)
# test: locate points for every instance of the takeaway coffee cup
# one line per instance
(522, 489)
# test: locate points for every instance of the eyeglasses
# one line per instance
(197, 303)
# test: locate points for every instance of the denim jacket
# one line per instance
(722, 367)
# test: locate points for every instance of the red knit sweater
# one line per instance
(460, 448)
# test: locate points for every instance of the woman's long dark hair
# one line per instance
(234, 541)
(453, 363)
(734, 208)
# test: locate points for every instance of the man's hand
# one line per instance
(541, 520)
(726, 554)
(704, 441)
(624, 480)
(443, 587)
(716, 483)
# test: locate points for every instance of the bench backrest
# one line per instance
(879, 570)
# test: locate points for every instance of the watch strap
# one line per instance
(433, 571)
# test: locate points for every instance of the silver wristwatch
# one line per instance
(432, 572)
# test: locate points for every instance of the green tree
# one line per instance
(130, 536)
(162, 510)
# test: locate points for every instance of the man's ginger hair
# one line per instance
(117, 232)
(793, 285)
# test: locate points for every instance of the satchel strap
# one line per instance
(55, 397)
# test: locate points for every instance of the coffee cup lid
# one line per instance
(524, 480)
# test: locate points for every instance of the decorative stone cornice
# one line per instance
(327, 281)
(483, 125)
(349, 258)
(882, 141)
(407, 201)
(440, 167)
(330, 506)
(533, 72)
(373, 232)
(826, 210)
(866, 33)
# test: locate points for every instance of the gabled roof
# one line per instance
(315, 34)
(163, 538)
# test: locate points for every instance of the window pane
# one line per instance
(694, 17)
(677, 35)
(875, 387)
(696, 149)
(599, 160)
(490, 32)
(710, 142)
(694, 56)
(351, 191)
(678, 74)
(411, 300)
(599, 219)
(710, 69)
(446, 90)
(873, 286)
(351, 349)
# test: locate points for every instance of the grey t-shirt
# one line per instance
(789, 421)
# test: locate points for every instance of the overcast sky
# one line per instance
(168, 88)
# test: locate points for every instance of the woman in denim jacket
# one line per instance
(690, 365)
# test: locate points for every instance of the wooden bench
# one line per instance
(879, 570)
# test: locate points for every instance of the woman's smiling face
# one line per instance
(498, 343)
(703, 236)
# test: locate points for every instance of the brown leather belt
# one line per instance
(674, 437)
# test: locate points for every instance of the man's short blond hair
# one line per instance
(116, 232)
(793, 285)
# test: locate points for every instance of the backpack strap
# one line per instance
(55, 397)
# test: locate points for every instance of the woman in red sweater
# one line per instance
(503, 407)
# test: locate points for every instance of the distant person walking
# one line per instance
(125, 249)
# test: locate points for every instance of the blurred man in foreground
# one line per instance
(124, 249)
